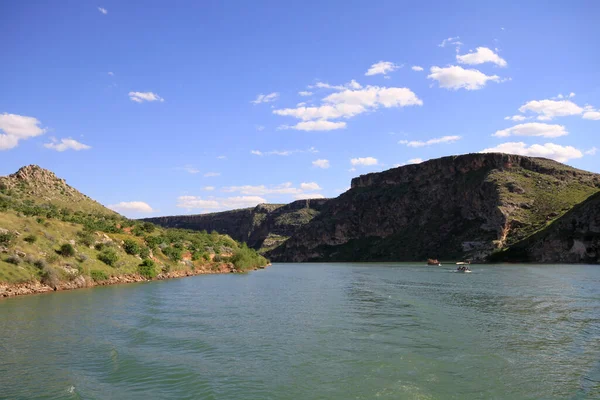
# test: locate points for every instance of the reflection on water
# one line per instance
(317, 331)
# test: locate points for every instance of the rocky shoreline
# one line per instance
(27, 288)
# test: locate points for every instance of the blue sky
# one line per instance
(158, 108)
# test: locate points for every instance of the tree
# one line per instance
(67, 250)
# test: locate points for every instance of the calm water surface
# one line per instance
(316, 331)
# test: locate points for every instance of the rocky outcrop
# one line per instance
(448, 208)
(264, 226)
(573, 238)
(41, 186)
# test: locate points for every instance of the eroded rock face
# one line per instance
(573, 238)
(272, 223)
(452, 207)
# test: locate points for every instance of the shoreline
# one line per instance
(31, 288)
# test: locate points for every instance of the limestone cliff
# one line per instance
(262, 227)
(454, 207)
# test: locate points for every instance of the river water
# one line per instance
(313, 331)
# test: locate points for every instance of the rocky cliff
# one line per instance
(455, 207)
(263, 227)
(573, 238)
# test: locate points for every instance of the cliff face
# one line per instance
(448, 208)
(573, 238)
(264, 226)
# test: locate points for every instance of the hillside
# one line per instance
(572, 238)
(53, 237)
(455, 207)
(262, 227)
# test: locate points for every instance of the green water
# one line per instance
(316, 331)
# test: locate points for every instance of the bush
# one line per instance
(40, 264)
(99, 246)
(52, 258)
(50, 277)
(67, 250)
(148, 227)
(173, 253)
(147, 270)
(131, 247)
(153, 241)
(6, 238)
(108, 257)
(31, 239)
(98, 275)
(144, 252)
(13, 260)
(245, 258)
(86, 238)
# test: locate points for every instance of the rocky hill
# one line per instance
(467, 206)
(262, 227)
(42, 187)
(53, 237)
(572, 238)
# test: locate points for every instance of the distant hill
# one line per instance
(53, 237)
(262, 227)
(459, 207)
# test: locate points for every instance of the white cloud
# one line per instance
(306, 196)
(320, 125)
(533, 129)
(323, 85)
(260, 128)
(213, 204)
(283, 152)
(418, 143)
(265, 98)
(382, 67)
(190, 169)
(415, 161)
(450, 40)
(548, 150)
(211, 174)
(111, 73)
(208, 188)
(305, 93)
(132, 206)
(480, 56)
(321, 163)
(456, 77)
(591, 152)
(140, 97)
(549, 109)
(221, 157)
(416, 68)
(363, 161)
(67, 144)
(348, 103)
(17, 127)
(516, 118)
(310, 186)
(588, 114)
(103, 10)
(261, 190)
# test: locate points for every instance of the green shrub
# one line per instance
(67, 250)
(131, 247)
(153, 241)
(146, 269)
(6, 238)
(98, 275)
(13, 260)
(173, 253)
(245, 258)
(30, 239)
(99, 246)
(148, 227)
(144, 252)
(40, 264)
(52, 258)
(86, 238)
(108, 257)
